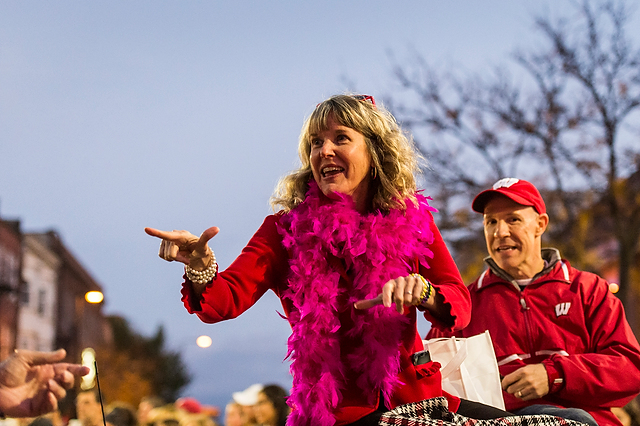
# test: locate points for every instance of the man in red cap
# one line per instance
(562, 341)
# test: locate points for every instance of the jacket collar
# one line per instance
(553, 262)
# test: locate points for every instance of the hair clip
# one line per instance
(365, 98)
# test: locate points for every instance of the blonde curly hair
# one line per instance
(393, 153)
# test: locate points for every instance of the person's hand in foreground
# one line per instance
(32, 383)
(528, 382)
(185, 247)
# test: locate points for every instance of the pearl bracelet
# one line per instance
(202, 277)
(427, 288)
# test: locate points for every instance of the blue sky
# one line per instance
(116, 115)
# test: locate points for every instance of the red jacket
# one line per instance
(263, 265)
(568, 320)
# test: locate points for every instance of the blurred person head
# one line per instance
(167, 415)
(197, 419)
(234, 415)
(248, 398)
(377, 169)
(146, 404)
(121, 414)
(193, 406)
(515, 217)
(53, 418)
(41, 421)
(272, 408)
(88, 408)
(171, 415)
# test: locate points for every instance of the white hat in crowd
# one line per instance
(249, 396)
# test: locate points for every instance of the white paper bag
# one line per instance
(469, 368)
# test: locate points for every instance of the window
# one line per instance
(42, 298)
(24, 295)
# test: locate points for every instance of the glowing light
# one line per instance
(94, 297)
(88, 360)
(204, 341)
(614, 287)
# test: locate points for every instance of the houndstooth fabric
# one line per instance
(435, 412)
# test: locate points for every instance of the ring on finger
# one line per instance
(519, 394)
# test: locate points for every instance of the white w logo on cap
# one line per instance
(505, 183)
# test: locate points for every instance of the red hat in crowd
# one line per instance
(189, 404)
(518, 190)
(193, 406)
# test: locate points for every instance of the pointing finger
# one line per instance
(368, 303)
(158, 233)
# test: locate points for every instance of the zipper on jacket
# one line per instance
(525, 313)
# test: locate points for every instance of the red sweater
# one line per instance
(263, 265)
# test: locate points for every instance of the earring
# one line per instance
(374, 173)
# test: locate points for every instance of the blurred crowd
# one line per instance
(257, 405)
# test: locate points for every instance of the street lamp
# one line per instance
(204, 341)
(94, 297)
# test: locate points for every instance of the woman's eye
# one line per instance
(316, 142)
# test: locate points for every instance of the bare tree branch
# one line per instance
(564, 124)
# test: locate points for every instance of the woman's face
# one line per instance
(264, 411)
(341, 162)
(234, 416)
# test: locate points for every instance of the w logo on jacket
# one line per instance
(562, 308)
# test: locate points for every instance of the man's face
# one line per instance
(513, 233)
(88, 409)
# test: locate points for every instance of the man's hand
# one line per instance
(31, 383)
(528, 382)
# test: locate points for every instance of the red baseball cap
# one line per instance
(518, 190)
(189, 404)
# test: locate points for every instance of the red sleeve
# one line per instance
(445, 277)
(613, 363)
(261, 266)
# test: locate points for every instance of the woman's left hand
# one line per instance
(403, 291)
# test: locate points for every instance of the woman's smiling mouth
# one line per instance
(331, 171)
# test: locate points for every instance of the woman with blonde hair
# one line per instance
(354, 256)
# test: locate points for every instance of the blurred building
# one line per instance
(42, 296)
(78, 323)
(39, 298)
(10, 284)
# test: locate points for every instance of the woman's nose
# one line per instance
(327, 149)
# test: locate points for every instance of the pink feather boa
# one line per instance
(374, 248)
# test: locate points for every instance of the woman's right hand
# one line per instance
(185, 247)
